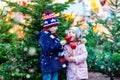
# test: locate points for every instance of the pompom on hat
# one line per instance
(50, 19)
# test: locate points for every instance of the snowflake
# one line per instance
(17, 70)
(25, 49)
(26, 29)
(32, 51)
(118, 44)
(31, 70)
(109, 69)
(13, 74)
(22, 42)
(28, 76)
(117, 69)
(102, 67)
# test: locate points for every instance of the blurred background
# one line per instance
(21, 21)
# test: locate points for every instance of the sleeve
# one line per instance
(66, 53)
(80, 58)
(48, 45)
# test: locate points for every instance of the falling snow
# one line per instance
(17, 70)
(13, 74)
(109, 69)
(107, 56)
(118, 44)
(26, 29)
(22, 42)
(102, 67)
(32, 51)
(28, 76)
(31, 70)
(25, 49)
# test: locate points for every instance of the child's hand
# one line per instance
(63, 42)
(70, 59)
(70, 53)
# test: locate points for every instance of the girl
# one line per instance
(76, 55)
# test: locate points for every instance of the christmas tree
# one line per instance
(103, 42)
(19, 49)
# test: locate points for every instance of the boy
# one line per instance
(50, 47)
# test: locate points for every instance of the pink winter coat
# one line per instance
(77, 69)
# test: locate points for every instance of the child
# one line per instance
(50, 47)
(75, 53)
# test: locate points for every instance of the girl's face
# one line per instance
(53, 29)
(72, 34)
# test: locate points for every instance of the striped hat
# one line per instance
(50, 19)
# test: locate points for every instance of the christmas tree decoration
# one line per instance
(94, 3)
(17, 29)
(69, 16)
(10, 8)
(12, 30)
(95, 29)
(9, 16)
(27, 16)
(20, 34)
(96, 6)
(23, 2)
(19, 18)
(31, 7)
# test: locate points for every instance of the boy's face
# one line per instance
(72, 34)
(53, 29)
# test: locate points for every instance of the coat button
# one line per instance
(45, 63)
(56, 58)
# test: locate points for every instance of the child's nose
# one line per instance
(70, 33)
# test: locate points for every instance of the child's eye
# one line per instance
(69, 32)
(73, 33)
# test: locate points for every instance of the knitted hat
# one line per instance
(50, 19)
(77, 31)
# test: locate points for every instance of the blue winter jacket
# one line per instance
(50, 47)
